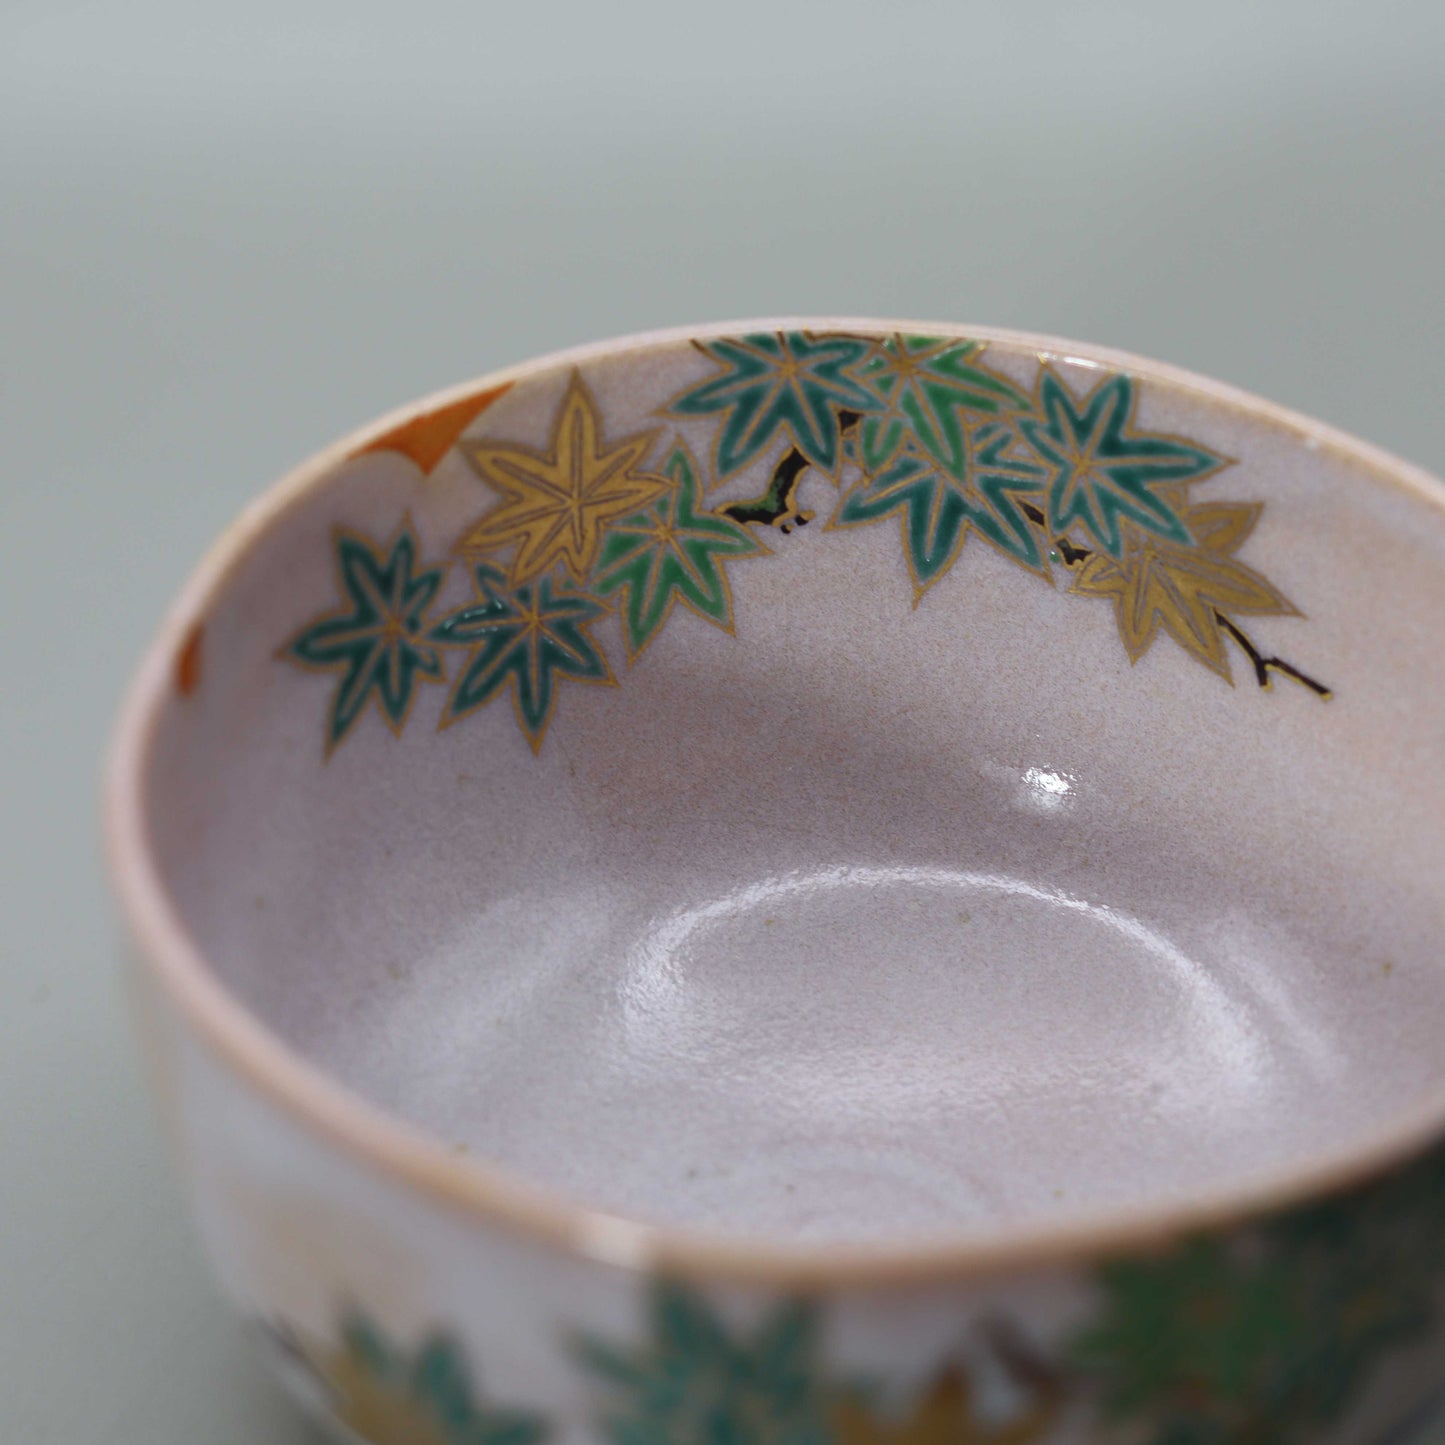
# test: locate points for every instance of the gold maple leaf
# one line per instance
(557, 503)
(945, 1415)
(375, 1409)
(1189, 590)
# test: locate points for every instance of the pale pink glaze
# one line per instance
(869, 942)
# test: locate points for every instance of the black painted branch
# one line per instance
(778, 507)
(1263, 666)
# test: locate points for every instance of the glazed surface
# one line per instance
(898, 883)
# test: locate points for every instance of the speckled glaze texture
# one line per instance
(814, 882)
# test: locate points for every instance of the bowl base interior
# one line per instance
(860, 1051)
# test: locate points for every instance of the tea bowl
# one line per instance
(812, 880)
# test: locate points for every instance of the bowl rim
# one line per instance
(174, 962)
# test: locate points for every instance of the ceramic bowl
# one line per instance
(813, 881)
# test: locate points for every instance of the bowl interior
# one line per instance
(819, 782)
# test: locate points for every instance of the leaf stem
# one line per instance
(1263, 666)
(778, 507)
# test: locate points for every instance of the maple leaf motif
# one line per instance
(1105, 471)
(557, 503)
(386, 1397)
(790, 382)
(427, 438)
(377, 642)
(1270, 1335)
(924, 382)
(1185, 589)
(672, 552)
(944, 1415)
(528, 637)
(697, 1382)
(939, 510)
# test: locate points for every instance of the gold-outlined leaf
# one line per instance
(1184, 589)
(672, 551)
(557, 502)
(789, 382)
(377, 639)
(1108, 475)
(526, 639)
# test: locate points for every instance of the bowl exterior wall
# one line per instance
(409, 1320)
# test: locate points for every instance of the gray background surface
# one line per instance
(227, 234)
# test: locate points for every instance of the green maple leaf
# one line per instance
(1269, 1337)
(788, 382)
(1103, 469)
(1194, 1324)
(671, 552)
(925, 381)
(939, 510)
(696, 1382)
(377, 641)
(528, 638)
(392, 1396)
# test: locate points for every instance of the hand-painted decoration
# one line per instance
(1270, 1334)
(696, 1380)
(949, 1412)
(529, 638)
(377, 639)
(387, 1396)
(915, 428)
(427, 438)
(557, 504)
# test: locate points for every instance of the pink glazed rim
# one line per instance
(177, 966)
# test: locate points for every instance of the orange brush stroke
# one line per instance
(188, 663)
(427, 438)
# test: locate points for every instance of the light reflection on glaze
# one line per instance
(654, 988)
(1045, 791)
